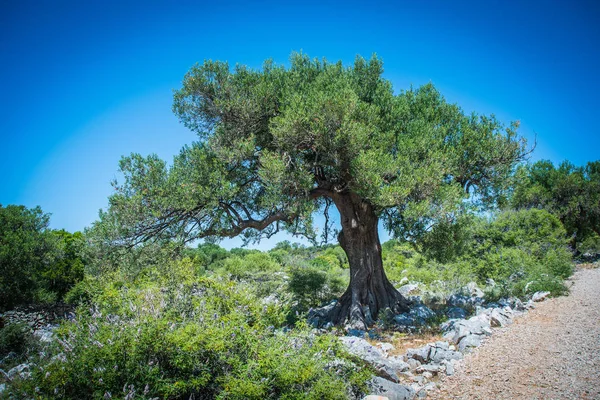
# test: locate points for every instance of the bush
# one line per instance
(590, 245)
(520, 248)
(200, 337)
(15, 338)
(308, 286)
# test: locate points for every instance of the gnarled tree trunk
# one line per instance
(369, 291)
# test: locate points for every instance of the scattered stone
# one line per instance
(517, 304)
(375, 397)
(431, 368)
(391, 390)
(462, 301)
(540, 296)
(413, 363)
(449, 367)
(356, 332)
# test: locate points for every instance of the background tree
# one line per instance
(571, 193)
(37, 265)
(279, 144)
(67, 267)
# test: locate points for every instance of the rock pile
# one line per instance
(37, 317)
(415, 373)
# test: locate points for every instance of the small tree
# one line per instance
(280, 144)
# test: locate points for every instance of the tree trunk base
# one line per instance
(352, 313)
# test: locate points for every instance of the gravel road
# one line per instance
(552, 352)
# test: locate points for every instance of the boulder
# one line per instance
(456, 312)
(441, 351)
(467, 343)
(420, 314)
(433, 353)
(413, 363)
(410, 289)
(384, 367)
(500, 317)
(318, 317)
(420, 354)
(473, 290)
(391, 390)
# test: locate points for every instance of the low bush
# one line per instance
(15, 338)
(185, 337)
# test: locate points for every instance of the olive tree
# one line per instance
(280, 144)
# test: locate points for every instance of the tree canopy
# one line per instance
(275, 144)
(279, 144)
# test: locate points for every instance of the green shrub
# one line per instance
(182, 337)
(520, 248)
(16, 338)
(590, 245)
(308, 286)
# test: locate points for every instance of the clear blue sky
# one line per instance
(82, 83)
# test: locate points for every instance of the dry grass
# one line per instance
(589, 265)
(402, 341)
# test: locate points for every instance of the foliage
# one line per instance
(178, 335)
(449, 239)
(571, 193)
(521, 247)
(67, 267)
(277, 143)
(16, 338)
(311, 286)
(590, 245)
(25, 250)
(37, 265)
(522, 251)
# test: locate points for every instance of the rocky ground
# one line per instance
(551, 352)
(540, 349)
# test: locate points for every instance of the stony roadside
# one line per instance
(552, 352)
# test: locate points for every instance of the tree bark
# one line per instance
(369, 292)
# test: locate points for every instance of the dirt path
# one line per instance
(553, 352)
